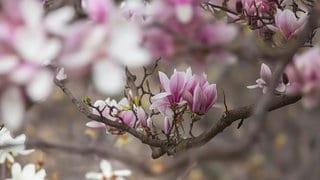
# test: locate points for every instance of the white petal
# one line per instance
(94, 175)
(252, 86)
(95, 124)
(26, 152)
(9, 157)
(57, 20)
(28, 43)
(29, 171)
(19, 139)
(12, 108)
(34, 47)
(2, 157)
(41, 85)
(125, 46)
(23, 74)
(184, 13)
(32, 12)
(122, 173)
(273, 28)
(108, 77)
(49, 50)
(106, 168)
(7, 63)
(41, 174)
(160, 95)
(61, 75)
(16, 170)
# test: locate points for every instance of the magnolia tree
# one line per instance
(158, 71)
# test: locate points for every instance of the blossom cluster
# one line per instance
(304, 76)
(27, 44)
(183, 93)
(124, 112)
(178, 29)
(31, 42)
(266, 15)
(300, 77)
(183, 89)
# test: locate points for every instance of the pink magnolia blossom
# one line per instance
(264, 80)
(200, 95)
(305, 76)
(287, 23)
(182, 88)
(173, 91)
(128, 117)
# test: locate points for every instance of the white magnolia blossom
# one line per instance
(15, 146)
(108, 173)
(27, 173)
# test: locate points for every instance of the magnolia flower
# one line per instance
(287, 23)
(181, 88)
(174, 89)
(107, 172)
(200, 95)
(264, 81)
(27, 173)
(306, 76)
(15, 146)
(128, 117)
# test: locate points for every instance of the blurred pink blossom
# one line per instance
(304, 76)
(28, 42)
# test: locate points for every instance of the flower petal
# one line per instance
(12, 108)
